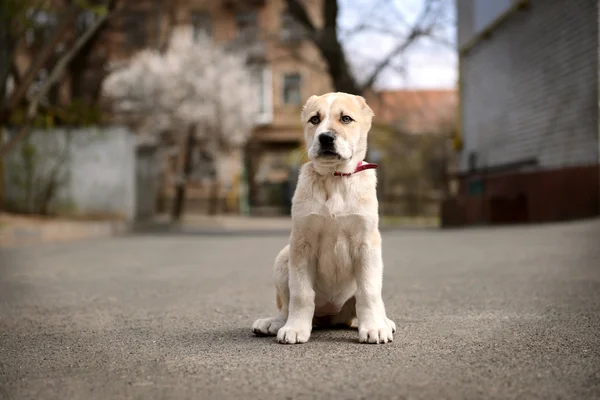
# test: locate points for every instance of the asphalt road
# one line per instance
(503, 313)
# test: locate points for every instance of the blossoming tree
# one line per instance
(197, 91)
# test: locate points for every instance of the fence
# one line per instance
(83, 171)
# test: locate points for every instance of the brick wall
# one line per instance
(530, 89)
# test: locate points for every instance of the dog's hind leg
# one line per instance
(347, 315)
(270, 326)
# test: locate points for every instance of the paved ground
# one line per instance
(504, 313)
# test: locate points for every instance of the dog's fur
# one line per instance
(331, 272)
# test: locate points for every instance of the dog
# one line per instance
(331, 272)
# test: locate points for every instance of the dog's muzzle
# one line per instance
(327, 145)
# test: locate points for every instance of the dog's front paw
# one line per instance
(267, 326)
(391, 324)
(292, 335)
(381, 333)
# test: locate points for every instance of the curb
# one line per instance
(232, 229)
(31, 234)
(60, 231)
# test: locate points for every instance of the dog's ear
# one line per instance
(369, 114)
(310, 100)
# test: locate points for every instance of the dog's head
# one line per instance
(336, 126)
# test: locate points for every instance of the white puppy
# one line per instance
(331, 272)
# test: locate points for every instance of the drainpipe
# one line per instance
(598, 111)
(458, 137)
(2, 130)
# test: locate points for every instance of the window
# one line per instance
(262, 79)
(291, 89)
(247, 25)
(291, 29)
(136, 28)
(201, 24)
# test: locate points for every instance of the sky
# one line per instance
(427, 64)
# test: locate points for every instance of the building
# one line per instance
(287, 67)
(529, 132)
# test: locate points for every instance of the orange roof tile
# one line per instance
(416, 111)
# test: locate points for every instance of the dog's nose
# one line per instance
(326, 139)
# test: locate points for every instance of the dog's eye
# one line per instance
(346, 119)
(315, 120)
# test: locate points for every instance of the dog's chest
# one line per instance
(338, 198)
(337, 209)
(340, 228)
(336, 216)
(336, 253)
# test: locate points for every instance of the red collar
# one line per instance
(360, 167)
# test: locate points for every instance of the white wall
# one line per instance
(97, 172)
(530, 90)
(102, 175)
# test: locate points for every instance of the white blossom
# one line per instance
(194, 83)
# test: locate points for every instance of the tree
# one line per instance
(414, 136)
(19, 18)
(195, 89)
(329, 38)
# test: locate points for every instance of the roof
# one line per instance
(416, 111)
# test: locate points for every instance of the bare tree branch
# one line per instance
(327, 41)
(42, 57)
(396, 12)
(300, 14)
(369, 27)
(385, 62)
(328, 44)
(54, 76)
(420, 28)
(18, 26)
(443, 41)
(330, 13)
